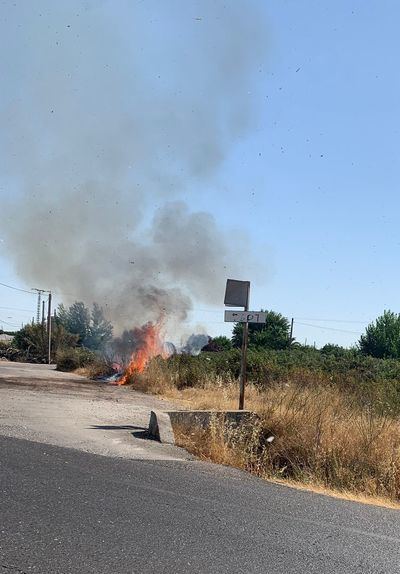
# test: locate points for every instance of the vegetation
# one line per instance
(91, 327)
(84, 361)
(274, 334)
(78, 337)
(8, 352)
(316, 436)
(382, 338)
(73, 358)
(32, 342)
(218, 344)
(373, 381)
(331, 424)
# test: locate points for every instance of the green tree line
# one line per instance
(380, 340)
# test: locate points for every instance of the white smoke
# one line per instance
(106, 128)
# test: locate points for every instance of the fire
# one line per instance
(149, 345)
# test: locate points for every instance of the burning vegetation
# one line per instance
(142, 344)
(136, 347)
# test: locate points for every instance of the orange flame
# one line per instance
(150, 346)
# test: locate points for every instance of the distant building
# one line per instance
(6, 338)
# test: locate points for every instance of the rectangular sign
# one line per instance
(237, 293)
(245, 317)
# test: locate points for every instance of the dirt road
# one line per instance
(40, 404)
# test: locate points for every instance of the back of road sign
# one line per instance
(237, 293)
(245, 316)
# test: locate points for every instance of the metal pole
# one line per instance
(49, 328)
(43, 303)
(243, 366)
(291, 332)
(39, 301)
(243, 373)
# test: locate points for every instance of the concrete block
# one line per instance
(160, 427)
(202, 419)
(161, 423)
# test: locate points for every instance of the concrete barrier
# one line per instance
(202, 419)
(161, 423)
(160, 427)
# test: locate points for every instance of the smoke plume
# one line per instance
(115, 115)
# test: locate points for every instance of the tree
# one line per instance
(100, 329)
(273, 334)
(93, 329)
(33, 340)
(216, 344)
(382, 338)
(76, 319)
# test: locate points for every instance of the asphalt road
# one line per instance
(42, 405)
(66, 511)
(87, 493)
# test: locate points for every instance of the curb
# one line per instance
(161, 422)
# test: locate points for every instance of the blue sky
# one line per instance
(313, 182)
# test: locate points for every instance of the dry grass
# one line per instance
(322, 438)
(97, 368)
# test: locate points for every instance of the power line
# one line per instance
(332, 320)
(16, 309)
(328, 328)
(9, 324)
(17, 289)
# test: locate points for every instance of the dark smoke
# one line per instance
(194, 344)
(130, 340)
(106, 131)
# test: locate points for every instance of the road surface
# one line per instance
(70, 511)
(40, 404)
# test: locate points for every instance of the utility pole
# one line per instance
(49, 328)
(291, 332)
(43, 303)
(39, 301)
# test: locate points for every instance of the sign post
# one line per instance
(237, 294)
(243, 366)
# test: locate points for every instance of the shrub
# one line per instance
(311, 435)
(32, 341)
(382, 338)
(74, 358)
(372, 381)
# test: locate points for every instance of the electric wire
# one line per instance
(298, 319)
(17, 289)
(9, 324)
(328, 328)
(17, 309)
(331, 320)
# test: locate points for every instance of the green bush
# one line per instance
(32, 341)
(382, 337)
(74, 358)
(374, 382)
